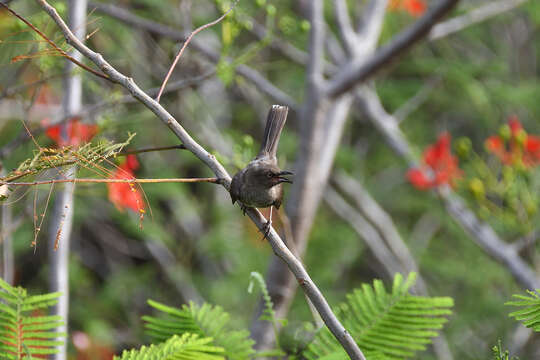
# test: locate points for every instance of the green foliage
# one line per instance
(23, 333)
(88, 155)
(529, 314)
(206, 321)
(185, 347)
(500, 354)
(268, 313)
(392, 324)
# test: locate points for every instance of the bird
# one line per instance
(259, 184)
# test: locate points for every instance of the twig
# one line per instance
(188, 40)
(139, 151)
(243, 70)
(481, 233)
(472, 17)
(56, 47)
(343, 21)
(130, 181)
(359, 70)
(276, 242)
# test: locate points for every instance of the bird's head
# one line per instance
(269, 175)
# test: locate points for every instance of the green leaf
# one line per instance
(30, 338)
(185, 347)
(386, 325)
(529, 314)
(206, 321)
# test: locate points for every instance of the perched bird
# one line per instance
(258, 185)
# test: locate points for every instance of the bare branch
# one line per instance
(358, 70)
(130, 181)
(481, 233)
(316, 44)
(472, 17)
(50, 42)
(370, 235)
(186, 43)
(276, 242)
(371, 26)
(343, 21)
(247, 72)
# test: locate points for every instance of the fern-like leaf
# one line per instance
(206, 320)
(23, 335)
(529, 314)
(185, 347)
(386, 325)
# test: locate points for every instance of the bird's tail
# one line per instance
(274, 124)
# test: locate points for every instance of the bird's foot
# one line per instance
(266, 229)
(243, 208)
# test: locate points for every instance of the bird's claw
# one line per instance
(266, 229)
(243, 208)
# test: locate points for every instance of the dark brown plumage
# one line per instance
(259, 184)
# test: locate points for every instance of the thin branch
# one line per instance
(481, 233)
(56, 47)
(358, 70)
(243, 70)
(130, 181)
(188, 40)
(276, 242)
(472, 17)
(369, 29)
(316, 45)
(343, 22)
(145, 150)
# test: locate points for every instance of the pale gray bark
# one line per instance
(62, 217)
(275, 241)
(6, 241)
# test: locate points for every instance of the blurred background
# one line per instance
(355, 212)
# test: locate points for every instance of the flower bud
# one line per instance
(505, 132)
(463, 146)
(476, 186)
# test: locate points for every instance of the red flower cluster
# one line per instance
(440, 166)
(126, 195)
(520, 148)
(76, 131)
(413, 7)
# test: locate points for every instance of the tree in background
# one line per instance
(451, 76)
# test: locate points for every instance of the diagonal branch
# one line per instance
(188, 40)
(107, 181)
(50, 42)
(358, 70)
(481, 233)
(343, 22)
(475, 16)
(278, 246)
(243, 70)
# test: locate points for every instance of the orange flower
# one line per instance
(520, 148)
(440, 166)
(126, 195)
(76, 132)
(413, 7)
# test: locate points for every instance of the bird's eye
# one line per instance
(269, 175)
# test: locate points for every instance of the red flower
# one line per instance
(413, 7)
(520, 148)
(126, 195)
(440, 166)
(76, 131)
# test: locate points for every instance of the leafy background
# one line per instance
(207, 248)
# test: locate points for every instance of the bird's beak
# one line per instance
(283, 179)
